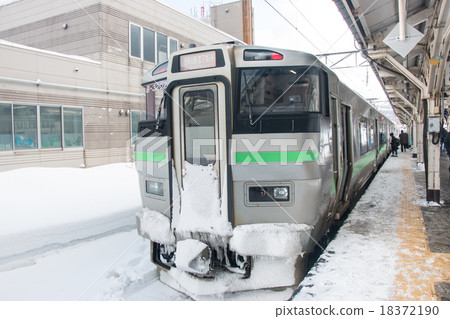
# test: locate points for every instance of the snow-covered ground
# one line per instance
(69, 234)
(359, 264)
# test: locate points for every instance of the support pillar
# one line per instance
(418, 139)
(433, 154)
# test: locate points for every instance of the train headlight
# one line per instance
(265, 194)
(281, 193)
(154, 188)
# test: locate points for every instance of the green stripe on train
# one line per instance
(149, 157)
(382, 148)
(363, 162)
(277, 157)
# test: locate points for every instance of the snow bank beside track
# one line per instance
(48, 208)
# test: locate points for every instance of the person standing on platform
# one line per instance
(394, 145)
(447, 147)
(403, 140)
(443, 136)
(447, 144)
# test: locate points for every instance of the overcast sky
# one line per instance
(314, 26)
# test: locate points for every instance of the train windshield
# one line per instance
(271, 91)
(154, 99)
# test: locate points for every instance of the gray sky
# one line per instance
(318, 27)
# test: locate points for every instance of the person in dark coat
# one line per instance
(394, 145)
(447, 147)
(403, 140)
(443, 136)
(447, 144)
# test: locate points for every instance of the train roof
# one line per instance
(290, 57)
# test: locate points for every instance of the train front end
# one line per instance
(231, 169)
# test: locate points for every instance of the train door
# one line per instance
(337, 163)
(377, 140)
(199, 156)
(347, 154)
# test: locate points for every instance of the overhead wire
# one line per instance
(315, 29)
(292, 25)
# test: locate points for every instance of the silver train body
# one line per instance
(246, 162)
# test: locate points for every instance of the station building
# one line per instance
(70, 77)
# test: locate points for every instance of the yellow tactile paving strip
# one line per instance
(418, 269)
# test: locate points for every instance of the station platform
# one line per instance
(437, 227)
(394, 245)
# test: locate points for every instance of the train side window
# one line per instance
(363, 145)
(325, 95)
(371, 132)
(383, 135)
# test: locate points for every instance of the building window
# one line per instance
(161, 46)
(5, 127)
(20, 128)
(50, 118)
(135, 41)
(25, 128)
(149, 45)
(173, 45)
(73, 127)
(135, 118)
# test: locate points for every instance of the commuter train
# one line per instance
(246, 157)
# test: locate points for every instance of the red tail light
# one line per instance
(261, 55)
(276, 56)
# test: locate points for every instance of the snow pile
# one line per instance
(114, 267)
(45, 197)
(420, 167)
(192, 256)
(200, 213)
(424, 203)
(44, 208)
(154, 226)
(267, 272)
(277, 240)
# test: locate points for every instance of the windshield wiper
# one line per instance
(250, 104)
(158, 115)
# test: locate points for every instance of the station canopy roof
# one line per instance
(407, 44)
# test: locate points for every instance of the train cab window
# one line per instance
(199, 127)
(279, 91)
(278, 100)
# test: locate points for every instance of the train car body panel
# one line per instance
(257, 152)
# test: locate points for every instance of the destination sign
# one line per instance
(197, 61)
